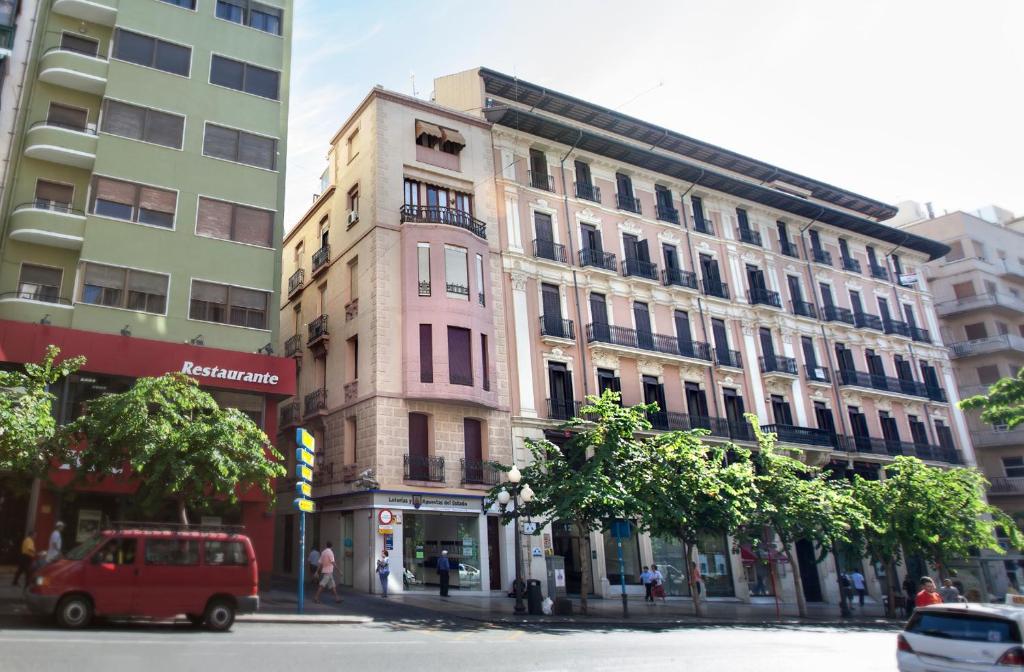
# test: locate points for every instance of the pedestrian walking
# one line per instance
(25, 559)
(657, 583)
(53, 552)
(927, 595)
(910, 594)
(443, 569)
(326, 567)
(858, 584)
(645, 578)
(313, 560)
(696, 581)
(949, 593)
(383, 572)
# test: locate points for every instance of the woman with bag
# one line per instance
(383, 572)
(657, 583)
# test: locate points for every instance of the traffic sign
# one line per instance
(303, 472)
(304, 456)
(304, 505)
(304, 489)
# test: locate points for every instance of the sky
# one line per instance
(894, 99)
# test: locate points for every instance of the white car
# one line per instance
(962, 637)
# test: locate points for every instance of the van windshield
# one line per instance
(82, 549)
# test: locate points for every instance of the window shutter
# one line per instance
(68, 117)
(51, 191)
(104, 276)
(173, 58)
(426, 353)
(227, 72)
(214, 219)
(149, 283)
(164, 129)
(123, 119)
(256, 150)
(248, 298)
(207, 291)
(115, 190)
(221, 142)
(253, 226)
(40, 275)
(418, 447)
(159, 200)
(473, 440)
(262, 82)
(78, 44)
(460, 361)
(133, 47)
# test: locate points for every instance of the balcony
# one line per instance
(627, 203)
(718, 427)
(881, 383)
(726, 357)
(557, 328)
(851, 264)
(750, 237)
(936, 394)
(807, 436)
(61, 144)
(290, 415)
(74, 70)
(430, 469)
(598, 259)
(778, 365)
(48, 223)
(789, 249)
(666, 213)
(296, 281)
(314, 402)
(995, 301)
(456, 289)
(40, 295)
(879, 272)
(433, 214)
(985, 346)
(679, 278)
(804, 309)
(549, 249)
(103, 12)
(320, 259)
(715, 288)
(475, 472)
(821, 256)
(996, 438)
(636, 268)
(894, 447)
(293, 346)
(588, 192)
(817, 374)
(563, 409)
(317, 331)
(764, 297)
(702, 225)
(641, 340)
(539, 180)
(837, 314)
(920, 335)
(896, 327)
(867, 321)
(1006, 486)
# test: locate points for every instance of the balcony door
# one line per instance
(474, 449)
(908, 317)
(552, 305)
(810, 359)
(823, 417)
(583, 177)
(591, 237)
(883, 310)
(890, 432)
(904, 371)
(671, 259)
(663, 197)
(815, 241)
(560, 387)
(859, 427)
(844, 356)
(781, 411)
(683, 335)
(918, 432)
(743, 221)
(697, 405)
(826, 295)
(599, 317)
(721, 340)
(734, 412)
(607, 380)
(875, 366)
(624, 187)
(539, 165)
(419, 447)
(755, 278)
(783, 235)
(709, 271)
(931, 378)
(767, 346)
(654, 393)
(796, 294)
(642, 315)
(855, 302)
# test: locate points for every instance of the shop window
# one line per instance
(630, 558)
(715, 563)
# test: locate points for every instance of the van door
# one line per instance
(111, 576)
(168, 578)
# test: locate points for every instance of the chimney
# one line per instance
(931, 212)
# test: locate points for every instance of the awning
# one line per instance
(749, 556)
(428, 128)
(453, 136)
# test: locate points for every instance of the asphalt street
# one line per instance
(443, 646)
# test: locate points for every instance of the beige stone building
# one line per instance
(394, 315)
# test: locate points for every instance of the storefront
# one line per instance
(250, 382)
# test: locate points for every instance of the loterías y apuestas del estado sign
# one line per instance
(228, 374)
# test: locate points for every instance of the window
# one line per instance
(171, 552)
(956, 250)
(79, 45)
(300, 251)
(423, 266)
(124, 288)
(117, 552)
(447, 140)
(132, 202)
(74, 118)
(1013, 466)
(234, 145)
(480, 278)
(245, 77)
(53, 195)
(39, 283)
(460, 358)
(349, 455)
(212, 302)
(472, 432)
(353, 205)
(419, 446)
(239, 223)
(987, 375)
(351, 148)
(140, 123)
(250, 13)
(484, 363)
(152, 53)
(456, 272)
(187, 4)
(353, 279)
(426, 353)
(352, 358)
(975, 331)
(412, 192)
(226, 553)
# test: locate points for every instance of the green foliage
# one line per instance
(177, 442)
(29, 439)
(1004, 403)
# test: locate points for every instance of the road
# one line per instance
(442, 646)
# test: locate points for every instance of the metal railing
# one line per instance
(803, 308)
(290, 414)
(695, 350)
(51, 206)
(851, 264)
(896, 327)
(880, 382)
(77, 128)
(726, 357)
(643, 340)
(778, 364)
(867, 321)
(981, 346)
(598, 259)
(435, 214)
(627, 203)
(703, 225)
(296, 280)
(588, 192)
(803, 435)
(979, 301)
(749, 236)
(1002, 485)
(293, 346)
(41, 294)
(920, 335)
(719, 427)
(563, 409)
(764, 297)
(990, 438)
(321, 257)
(666, 213)
(314, 401)
(837, 314)
(317, 329)
(789, 249)
(821, 256)
(879, 272)
(418, 468)
(539, 180)
(935, 393)
(557, 327)
(476, 472)
(817, 374)
(549, 249)
(715, 288)
(81, 51)
(679, 278)
(456, 288)
(638, 268)
(423, 288)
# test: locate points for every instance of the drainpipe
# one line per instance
(580, 345)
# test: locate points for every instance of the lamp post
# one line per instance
(520, 493)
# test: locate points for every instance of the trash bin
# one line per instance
(534, 598)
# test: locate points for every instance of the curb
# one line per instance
(305, 619)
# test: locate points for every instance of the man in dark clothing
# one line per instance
(910, 591)
(443, 568)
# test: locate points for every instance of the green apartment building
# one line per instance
(143, 210)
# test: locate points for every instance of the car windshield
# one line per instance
(83, 549)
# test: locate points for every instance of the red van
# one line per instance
(150, 573)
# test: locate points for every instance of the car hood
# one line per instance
(61, 570)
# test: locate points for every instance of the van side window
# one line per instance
(172, 552)
(117, 552)
(226, 553)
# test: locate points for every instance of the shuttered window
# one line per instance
(51, 194)
(230, 221)
(152, 53)
(140, 123)
(473, 437)
(460, 357)
(213, 302)
(250, 13)
(426, 353)
(419, 446)
(234, 145)
(39, 283)
(132, 202)
(245, 77)
(67, 117)
(127, 288)
(80, 45)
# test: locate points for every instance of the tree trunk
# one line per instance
(182, 512)
(585, 569)
(698, 608)
(798, 582)
(890, 571)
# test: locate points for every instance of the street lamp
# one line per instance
(520, 493)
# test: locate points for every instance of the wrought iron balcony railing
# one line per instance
(764, 297)
(715, 288)
(317, 330)
(296, 280)
(418, 468)
(851, 264)
(321, 257)
(837, 314)
(750, 236)
(867, 321)
(588, 192)
(476, 472)
(821, 256)
(666, 214)
(726, 357)
(598, 332)
(679, 278)
(778, 364)
(314, 401)
(549, 249)
(557, 327)
(789, 249)
(539, 180)
(640, 269)
(434, 214)
(627, 203)
(804, 308)
(598, 259)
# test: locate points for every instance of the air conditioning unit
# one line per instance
(353, 217)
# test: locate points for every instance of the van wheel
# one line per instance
(220, 615)
(74, 611)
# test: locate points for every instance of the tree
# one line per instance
(29, 440)
(1004, 403)
(595, 479)
(175, 440)
(878, 539)
(797, 501)
(693, 489)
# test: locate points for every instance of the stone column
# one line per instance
(753, 372)
(524, 349)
